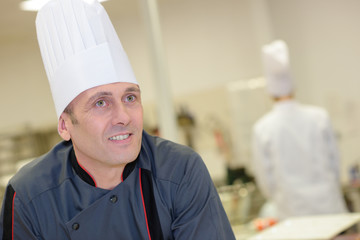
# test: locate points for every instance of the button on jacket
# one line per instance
(166, 193)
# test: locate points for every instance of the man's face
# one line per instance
(108, 127)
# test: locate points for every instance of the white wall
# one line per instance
(324, 38)
(25, 98)
(207, 43)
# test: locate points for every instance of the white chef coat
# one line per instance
(296, 161)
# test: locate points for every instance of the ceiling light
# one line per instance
(35, 5)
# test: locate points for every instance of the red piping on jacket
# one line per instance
(142, 198)
(87, 173)
(12, 227)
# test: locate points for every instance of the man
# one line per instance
(296, 162)
(109, 179)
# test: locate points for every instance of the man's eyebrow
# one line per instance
(97, 95)
(132, 89)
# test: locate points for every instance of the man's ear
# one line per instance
(63, 127)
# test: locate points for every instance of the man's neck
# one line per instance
(96, 174)
(108, 178)
(283, 98)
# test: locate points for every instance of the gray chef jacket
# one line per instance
(166, 193)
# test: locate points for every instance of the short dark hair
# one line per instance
(69, 110)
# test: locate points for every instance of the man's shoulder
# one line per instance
(41, 174)
(172, 160)
(264, 121)
(315, 110)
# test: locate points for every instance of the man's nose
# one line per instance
(120, 115)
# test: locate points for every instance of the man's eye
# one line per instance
(130, 98)
(100, 103)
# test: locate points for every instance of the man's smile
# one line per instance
(119, 137)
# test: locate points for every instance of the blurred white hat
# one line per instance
(80, 49)
(277, 69)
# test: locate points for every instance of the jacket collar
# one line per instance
(143, 161)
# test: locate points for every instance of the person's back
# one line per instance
(298, 146)
(295, 158)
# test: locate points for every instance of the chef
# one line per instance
(108, 179)
(295, 155)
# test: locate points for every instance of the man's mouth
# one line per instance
(119, 137)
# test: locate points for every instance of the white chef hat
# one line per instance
(80, 49)
(277, 69)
